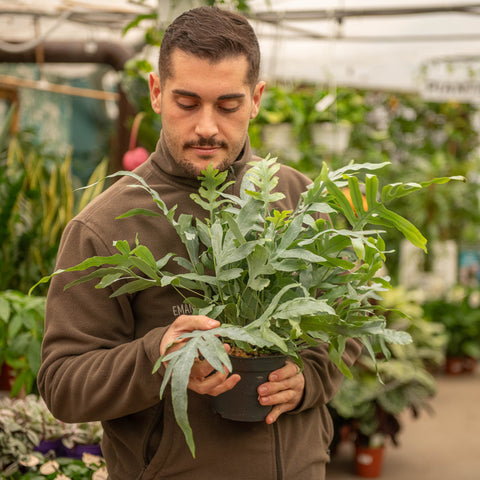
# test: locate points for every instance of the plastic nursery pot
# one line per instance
(45, 447)
(368, 461)
(78, 450)
(241, 402)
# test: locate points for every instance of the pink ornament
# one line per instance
(135, 156)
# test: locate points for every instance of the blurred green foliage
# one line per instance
(37, 200)
(21, 333)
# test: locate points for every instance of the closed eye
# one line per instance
(229, 109)
(186, 106)
(229, 105)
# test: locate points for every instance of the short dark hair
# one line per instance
(213, 34)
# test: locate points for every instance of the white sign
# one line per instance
(466, 91)
(451, 79)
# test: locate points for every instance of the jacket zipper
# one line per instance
(154, 425)
(277, 451)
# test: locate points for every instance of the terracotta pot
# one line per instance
(369, 461)
(453, 365)
(241, 402)
(459, 365)
(469, 364)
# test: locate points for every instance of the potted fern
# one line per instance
(278, 281)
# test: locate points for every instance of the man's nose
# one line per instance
(206, 126)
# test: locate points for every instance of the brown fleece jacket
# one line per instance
(98, 353)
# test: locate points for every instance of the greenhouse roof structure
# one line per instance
(429, 46)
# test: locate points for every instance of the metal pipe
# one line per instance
(97, 52)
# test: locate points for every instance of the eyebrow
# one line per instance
(228, 96)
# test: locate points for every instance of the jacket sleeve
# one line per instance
(93, 365)
(322, 377)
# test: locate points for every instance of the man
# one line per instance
(98, 352)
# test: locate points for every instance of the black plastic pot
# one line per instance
(241, 402)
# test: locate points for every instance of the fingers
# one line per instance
(202, 380)
(213, 384)
(284, 391)
(189, 323)
(184, 324)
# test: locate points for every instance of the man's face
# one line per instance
(206, 109)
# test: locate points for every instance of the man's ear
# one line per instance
(155, 92)
(257, 97)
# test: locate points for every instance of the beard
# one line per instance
(193, 170)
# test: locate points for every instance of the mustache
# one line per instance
(205, 142)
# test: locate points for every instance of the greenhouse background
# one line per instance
(368, 81)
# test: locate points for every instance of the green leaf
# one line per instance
(145, 267)
(291, 234)
(107, 272)
(122, 246)
(179, 381)
(262, 175)
(249, 216)
(335, 352)
(212, 186)
(138, 19)
(96, 261)
(234, 228)
(356, 195)
(398, 190)
(411, 233)
(272, 306)
(354, 168)
(230, 274)
(4, 309)
(139, 211)
(189, 236)
(273, 337)
(108, 279)
(229, 254)
(299, 307)
(214, 352)
(33, 354)
(301, 254)
(257, 266)
(134, 286)
(342, 202)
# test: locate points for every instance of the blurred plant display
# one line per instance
(424, 139)
(373, 409)
(21, 333)
(405, 312)
(459, 312)
(421, 139)
(24, 424)
(37, 200)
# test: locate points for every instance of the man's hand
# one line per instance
(201, 378)
(284, 390)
